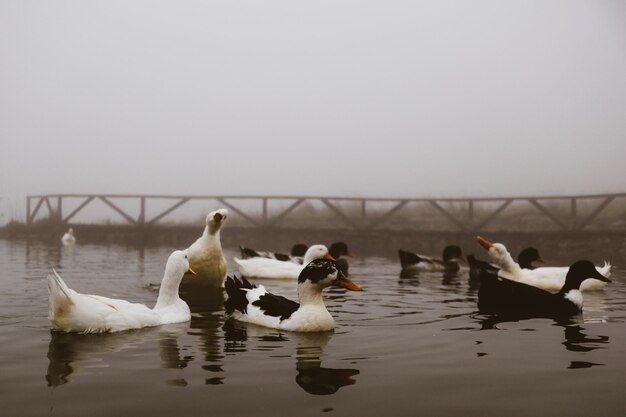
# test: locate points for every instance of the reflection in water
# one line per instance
(575, 339)
(311, 377)
(69, 353)
(206, 306)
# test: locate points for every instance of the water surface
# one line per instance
(403, 347)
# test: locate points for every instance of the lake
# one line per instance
(405, 346)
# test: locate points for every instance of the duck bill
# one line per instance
(342, 281)
(350, 254)
(329, 257)
(484, 242)
(191, 272)
(601, 277)
(540, 260)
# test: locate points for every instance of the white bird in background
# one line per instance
(68, 237)
(275, 269)
(547, 278)
(70, 311)
(205, 254)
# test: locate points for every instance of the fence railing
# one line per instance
(469, 214)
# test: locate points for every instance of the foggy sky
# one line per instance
(354, 98)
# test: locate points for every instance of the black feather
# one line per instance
(248, 253)
(409, 258)
(318, 270)
(276, 305)
(236, 295)
(282, 257)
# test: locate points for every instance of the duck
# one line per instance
(296, 256)
(73, 312)
(501, 295)
(413, 262)
(548, 278)
(274, 269)
(205, 254)
(254, 304)
(525, 259)
(338, 250)
(68, 237)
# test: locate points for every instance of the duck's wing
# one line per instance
(410, 258)
(248, 253)
(276, 305)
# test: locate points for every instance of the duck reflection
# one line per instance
(71, 353)
(576, 338)
(207, 307)
(311, 376)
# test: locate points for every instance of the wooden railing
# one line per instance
(365, 219)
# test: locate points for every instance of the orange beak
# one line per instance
(342, 281)
(484, 242)
(329, 257)
(191, 271)
(540, 259)
(350, 254)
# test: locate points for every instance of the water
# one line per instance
(403, 347)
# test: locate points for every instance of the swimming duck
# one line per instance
(71, 311)
(205, 254)
(68, 237)
(413, 262)
(501, 295)
(252, 304)
(547, 278)
(525, 260)
(297, 254)
(275, 269)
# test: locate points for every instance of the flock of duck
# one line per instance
(506, 286)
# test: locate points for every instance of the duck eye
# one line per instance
(185, 256)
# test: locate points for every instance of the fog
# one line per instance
(336, 98)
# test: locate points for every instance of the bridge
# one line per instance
(603, 213)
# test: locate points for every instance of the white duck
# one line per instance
(547, 278)
(205, 254)
(275, 269)
(252, 304)
(68, 237)
(71, 311)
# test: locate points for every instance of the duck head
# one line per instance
(339, 249)
(299, 249)
(452, 253)
(527, 257)
(322, 273)
(497, 251)
(215, 220)
(316, 252)
(580, 271)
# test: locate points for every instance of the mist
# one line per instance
(327, 98)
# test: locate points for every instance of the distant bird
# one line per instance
(297, 254)
(413, 262)
(252, 304)
(525, 260)
(205, 254)
(274, 269)
(547, 278)
(68, 237)
(339, 250)
(70, 311)
(501, 295)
